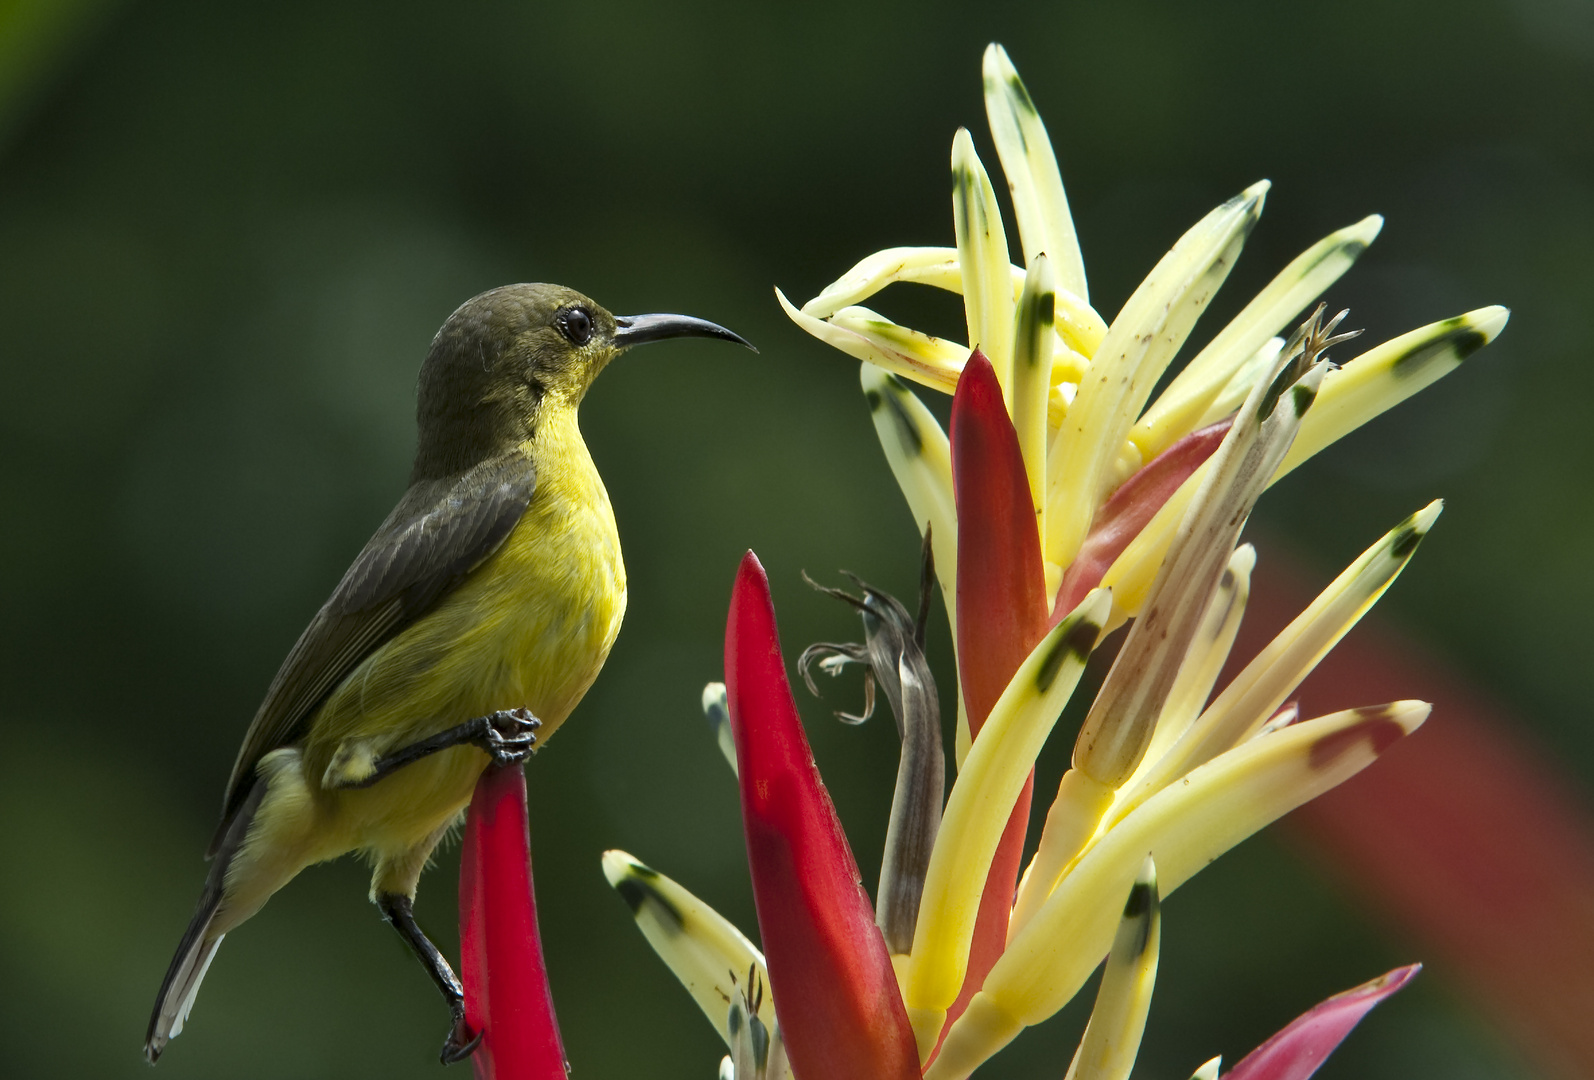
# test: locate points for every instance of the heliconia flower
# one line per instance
(1064, 502)
(507, 997)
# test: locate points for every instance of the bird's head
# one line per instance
(507, 358)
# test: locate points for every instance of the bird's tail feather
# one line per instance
(198, 946)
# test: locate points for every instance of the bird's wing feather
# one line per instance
(438, 533)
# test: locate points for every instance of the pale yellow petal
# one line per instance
(710, 956)
(1033, 340)
(983, 257)
(1112, 1037)
(1044, 222)
(1077, 322)
(921, 460)
(930, 265)
(1383, 377)
(1129, 361)
(865, 335)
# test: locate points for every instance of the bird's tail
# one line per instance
(199, 944)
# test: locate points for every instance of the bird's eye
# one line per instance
(575, 324)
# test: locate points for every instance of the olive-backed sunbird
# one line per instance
(469, 626)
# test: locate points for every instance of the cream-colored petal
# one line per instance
(1112, 1037)
(1177, 410)
(1209, 1069)
(1185, 826)
(710, 956)
(978, 808)
(929, 265)
(1077, 322)
(1383, 377)
(865, 335)
(1129, 361)
(1033, 340)
(921, 460)
(983, 257)
(1044, 222)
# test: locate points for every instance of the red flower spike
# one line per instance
(836, 996)
(1297, 1051)
(1130, 508)
(1001, 611)
(507, 996)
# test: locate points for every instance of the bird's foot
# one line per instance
(508, 735)
(462, 1041)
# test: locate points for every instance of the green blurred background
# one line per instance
(227, 233)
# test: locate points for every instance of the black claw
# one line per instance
(509, 735)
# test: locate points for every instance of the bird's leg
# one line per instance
(506, 736)
(461, 1041)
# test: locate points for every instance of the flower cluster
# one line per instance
(1063, 503)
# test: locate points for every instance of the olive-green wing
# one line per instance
(438, 533)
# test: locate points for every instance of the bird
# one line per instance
(464, 633)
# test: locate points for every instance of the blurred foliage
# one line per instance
(227, 233)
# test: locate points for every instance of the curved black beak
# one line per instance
(641, 329)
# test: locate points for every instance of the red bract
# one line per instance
(836, 997)
(1001, 584)
(1130, 508)
(1296, 1052)
(507, 996)
(1001, 611)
